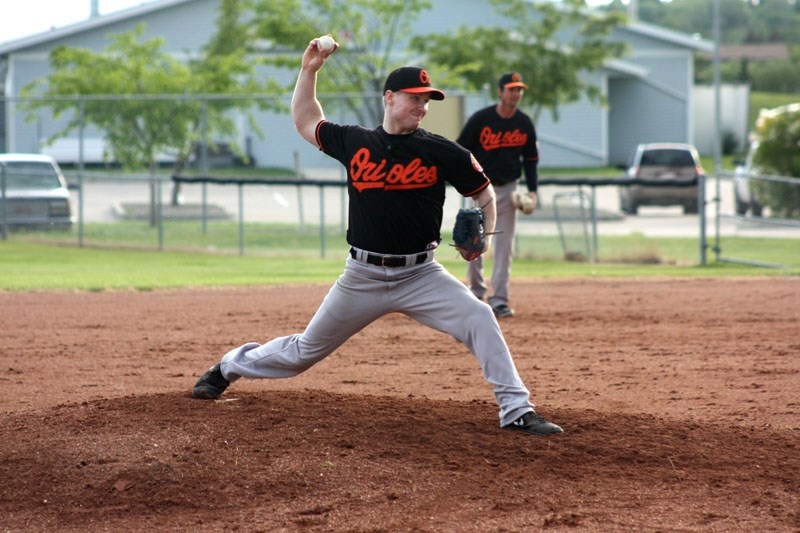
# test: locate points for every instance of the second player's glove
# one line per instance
(526, 203)
(468, 233)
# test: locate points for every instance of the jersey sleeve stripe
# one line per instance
(479, 189)
(316, 134)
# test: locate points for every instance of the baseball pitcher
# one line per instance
(396, 176)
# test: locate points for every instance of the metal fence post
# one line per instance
(81, 148)
(716, 30)
(300, 211)
(159, 214)
(593, 211)
(241, 218)
(4, 204)
(204, 165)
(701, 211)
(322, 221)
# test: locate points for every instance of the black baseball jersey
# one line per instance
(503, 145)
(396, 184)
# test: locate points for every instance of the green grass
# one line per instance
(286, 240)
(220, 237)
(639, 249)
(26, 266)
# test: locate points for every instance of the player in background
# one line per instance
(396, 176)
(503, 139)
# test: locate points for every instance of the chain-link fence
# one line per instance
(225, 201)
(755, 212)
(577, 219)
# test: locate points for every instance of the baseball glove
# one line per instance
(468, 233)
(524, 202)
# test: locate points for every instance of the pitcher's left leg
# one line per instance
(442, 302)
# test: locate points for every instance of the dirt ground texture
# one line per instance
(679, 400)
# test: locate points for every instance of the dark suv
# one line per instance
(662, 161)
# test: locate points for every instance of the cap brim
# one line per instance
(514, 84)
(436, 94)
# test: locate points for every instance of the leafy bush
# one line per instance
(778, 153)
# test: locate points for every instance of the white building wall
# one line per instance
(734, 114)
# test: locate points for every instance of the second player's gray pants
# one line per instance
(363, 293)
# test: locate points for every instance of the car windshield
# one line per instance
(667, 158)
(30, 175)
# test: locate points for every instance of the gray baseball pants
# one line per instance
(503, 250)
(363, 293)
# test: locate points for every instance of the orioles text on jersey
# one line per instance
(491, 140)
(369, 174)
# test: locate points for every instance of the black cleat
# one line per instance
(211, 385)
(503, 311)
(535, 424)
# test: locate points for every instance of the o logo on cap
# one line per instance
(516, 77)
(423, 77)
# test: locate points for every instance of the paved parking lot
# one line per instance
(105, 201)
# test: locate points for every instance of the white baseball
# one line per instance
(325, 43)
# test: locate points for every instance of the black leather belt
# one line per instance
(389, 260)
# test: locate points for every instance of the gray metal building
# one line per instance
(649, 91)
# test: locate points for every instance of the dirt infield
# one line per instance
(679, 401)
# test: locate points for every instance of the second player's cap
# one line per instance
(511, 80)
(411, 80)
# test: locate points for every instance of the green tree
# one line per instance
(128, 91)
(551, 44)
(780, 76)
(778, 132)
(741, 21)
(372, 35)
(145, 101)
(137, 129)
